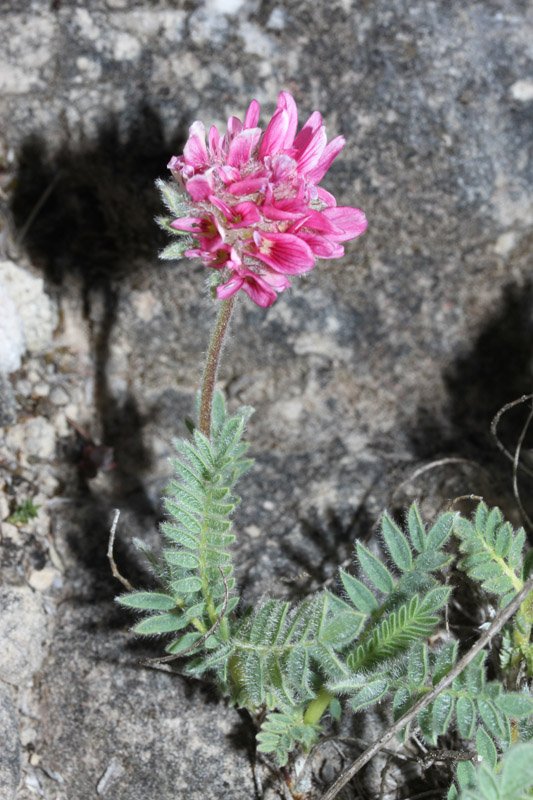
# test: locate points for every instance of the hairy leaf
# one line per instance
(147, 601)
(396, 543)
(376, 572)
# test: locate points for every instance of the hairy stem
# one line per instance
(211, 364)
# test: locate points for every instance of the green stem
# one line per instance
(317, 707)
(211, 365)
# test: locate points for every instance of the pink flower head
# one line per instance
(253, 205)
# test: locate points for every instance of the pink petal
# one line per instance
(228, 174)
(229, 288)
(262, 288)
(221, 205)
(251, 117)
(200, 186)
(234, 126)
(276, 280)
(281, 166)
(284, 252)
(350, 222)
(248, 186)
(247, 211)
(195, 150)
(215, 141)
(211, 242)
(330, 153)
(322, 246)
(242, 146)
(180, 170)
(308, 131)
(309, 157)
(279, 211)
(261, 294)
(276, 134)
(234, 260)
(219, 258)
(286, 101)
(192, 224)
(327, 198)
(317, 221)
(174, 163)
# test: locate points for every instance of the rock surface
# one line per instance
(36, 310)
(366, 370)
(22, 632)
(12, 345)
(10, 754)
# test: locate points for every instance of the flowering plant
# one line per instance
(249, 205)
(253, 204)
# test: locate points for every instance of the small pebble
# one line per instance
(23, 387)
(42, 579)
(41, 390)
(58, 396)
(27, 736)
(522, 90)
(4, 507)
(277, 19)
(12, 533)
(40, 438)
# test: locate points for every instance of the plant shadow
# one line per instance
(496, 370)
(84, 214)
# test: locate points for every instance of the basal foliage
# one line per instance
(362, 644)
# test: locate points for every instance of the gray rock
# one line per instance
(8, 403)
(33, 305)
(34, 438)
(10, 754)
(22, 633)
(369, 367)
(132, 723)
(12, 345)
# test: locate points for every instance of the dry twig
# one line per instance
(494, 430)
(114, 569)
(441, 462)
(516, 464)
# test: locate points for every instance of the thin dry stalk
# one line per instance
(494, 431)
(114, 569)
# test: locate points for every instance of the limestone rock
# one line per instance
(33, 305)
(10, 755)
(12, 342)
(8, 402)
(22, 633)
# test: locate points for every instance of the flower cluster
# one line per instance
(255, 210)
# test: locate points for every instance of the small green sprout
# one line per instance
(23, 513)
